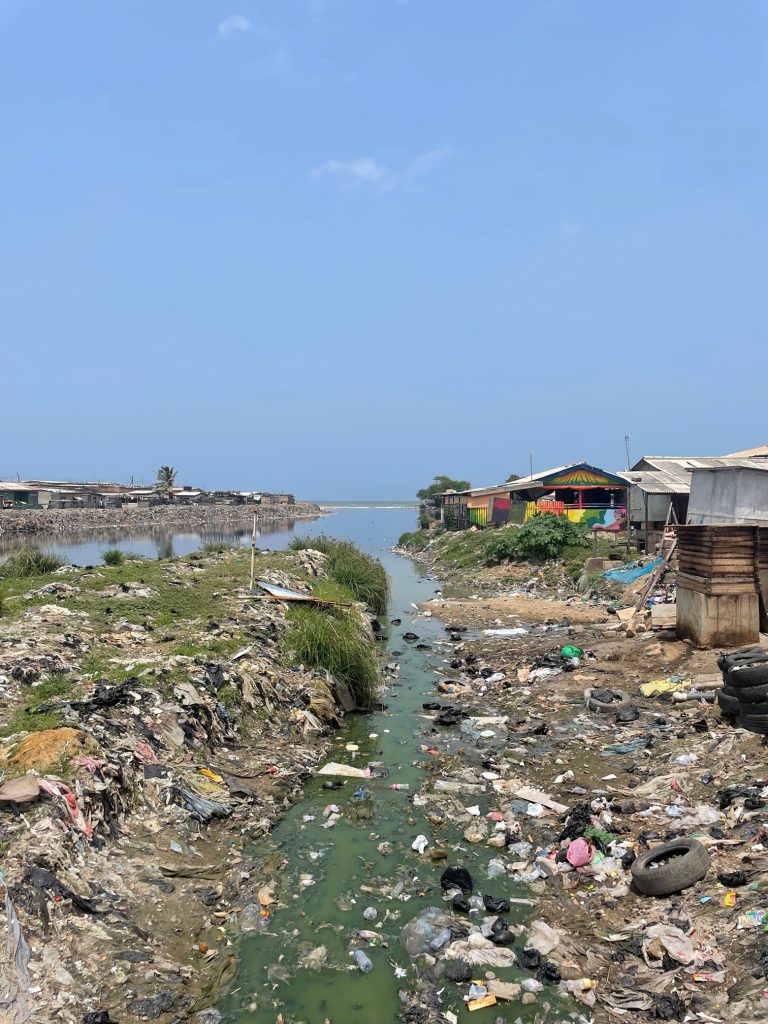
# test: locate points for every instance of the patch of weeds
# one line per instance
(416, 541)
(361, 574)
(113, 556)
(56, 685)
(30, 562)
(216, 547)
(331, 639)
(229, 697)
(23, 720)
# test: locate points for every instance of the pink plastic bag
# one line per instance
(579, 853)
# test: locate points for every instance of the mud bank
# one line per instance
(152, 730)
(135, 517)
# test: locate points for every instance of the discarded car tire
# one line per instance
(621, 700)
(728, 705)
(670, 868)
(748, 675)
(742, 656)
(753, 694)
(753, 723)
(753, 709)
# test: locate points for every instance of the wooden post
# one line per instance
(645, 500)
(253, 549)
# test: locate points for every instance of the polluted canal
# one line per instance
(341, 876)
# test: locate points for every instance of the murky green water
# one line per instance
(325, 907)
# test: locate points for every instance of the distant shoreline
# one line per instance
(34, 522)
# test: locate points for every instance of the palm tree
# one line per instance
(166, 478)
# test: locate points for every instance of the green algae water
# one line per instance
(324, 879)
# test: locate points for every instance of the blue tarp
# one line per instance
(632, 571)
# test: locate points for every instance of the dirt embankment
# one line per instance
(153, 517)
(151, 730)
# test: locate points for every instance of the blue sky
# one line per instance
(338, 246)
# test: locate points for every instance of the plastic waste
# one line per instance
(362, 961)
(420, 844)
(571, 651)
(419, 932)
(370, 913)
(441, 940)
(579, 853)
(496, 905)
(496, 868)
(399, 786)
(752, 919)
(457, 878)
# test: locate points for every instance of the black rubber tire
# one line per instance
(748, 675)
(753, 694)
(729, 691)
(673, 875)
(753, 709)
(727, 704)
(742, 656)
(753, 723)
(613, 706)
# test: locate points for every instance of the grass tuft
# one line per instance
(30, 562)
(216, 547)
(113, 556)
(332, 640)
(364, 576)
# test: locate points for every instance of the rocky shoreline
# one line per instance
(153, 728)
(153, 517)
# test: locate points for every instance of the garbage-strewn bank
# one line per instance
(600, 774)
(154, 726)
(140, 517)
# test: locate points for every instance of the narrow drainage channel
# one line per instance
(324, 879)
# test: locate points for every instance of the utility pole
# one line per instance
(530, 460)
(627, 439)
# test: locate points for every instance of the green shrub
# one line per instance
(547, 536)
(113, 556)
(500, 546)
(364, 576)
(332, 640)
(30, 562)
(416, 541)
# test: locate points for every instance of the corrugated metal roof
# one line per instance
(761, 452)
(673, 476)
(514, 485)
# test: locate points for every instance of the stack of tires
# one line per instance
(744, 694)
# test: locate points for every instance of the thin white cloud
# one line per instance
(368, 171)
(569, 228)
(234, 23)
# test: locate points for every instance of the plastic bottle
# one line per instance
(362, 961)
(399, 786)
(441, 939)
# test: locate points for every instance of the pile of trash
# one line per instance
(649, 881)
(106, 815)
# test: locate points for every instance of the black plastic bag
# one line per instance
(549, 974)
(496, 905)
(461, 904)
(529, 959)
(456, 878)
(733, 879)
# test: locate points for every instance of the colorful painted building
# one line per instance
(583, 493)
